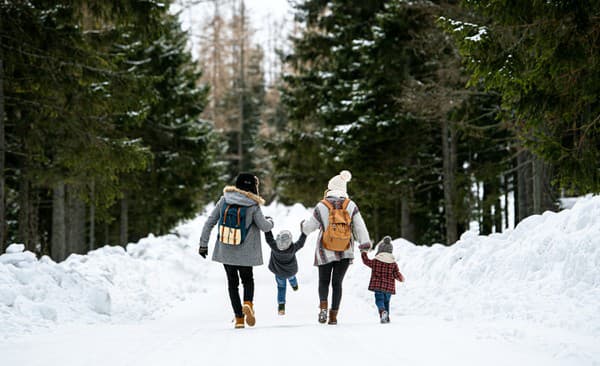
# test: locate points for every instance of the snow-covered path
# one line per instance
(199, 331)
(530, 297)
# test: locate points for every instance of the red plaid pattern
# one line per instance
(382, 274)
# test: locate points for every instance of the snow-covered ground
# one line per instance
(530, 296)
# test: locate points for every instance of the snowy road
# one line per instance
(199, 331)
(530, 297)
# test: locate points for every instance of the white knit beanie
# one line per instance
(337, 184)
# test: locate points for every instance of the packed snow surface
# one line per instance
(527, 296)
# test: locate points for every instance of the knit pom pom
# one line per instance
(346, 175)
(387, 240)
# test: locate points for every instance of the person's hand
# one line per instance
(301, 224)
(203, 251)
(270, 219)
(364, 247)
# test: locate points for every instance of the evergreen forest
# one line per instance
(116, 121)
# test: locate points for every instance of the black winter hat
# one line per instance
(247, 182)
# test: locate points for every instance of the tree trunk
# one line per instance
(242, 88)
(123, 238)
(529, 185)
(58, 249)
(486, 210)
(537, 185)
(216, 61)
(407, 228)
(549, 195)
(106, 234)
(524, 185)
(92, 234)
(3, 225)
(498, 214)
(449, 166)
(75, 221)
(377, 224)
(505, 211)
(24, 206)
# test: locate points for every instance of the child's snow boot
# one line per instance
(248, 310)
(332, 317)
(384, 316)
(323, 312)
(281, 309)
(239, 322)
(295, 288)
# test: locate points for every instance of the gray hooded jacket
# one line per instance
(283, 263)
(248, 253)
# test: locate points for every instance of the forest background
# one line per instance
(451, 115)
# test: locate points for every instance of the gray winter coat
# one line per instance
(283, 263)
(249, 252)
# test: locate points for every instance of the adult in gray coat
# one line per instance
(239, 258)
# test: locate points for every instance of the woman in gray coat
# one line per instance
(238, 248)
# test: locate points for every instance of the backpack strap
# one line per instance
(345, 204)
(223, 219)
(327, 203)
(330, 205)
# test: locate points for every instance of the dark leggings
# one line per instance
(233, 281)
(332, 272)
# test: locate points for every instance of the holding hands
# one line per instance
(270, 219)
(364, 247)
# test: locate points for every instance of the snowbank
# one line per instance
(107, 284)
(546, 271)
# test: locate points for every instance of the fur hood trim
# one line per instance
(258, 199)
(385, 257)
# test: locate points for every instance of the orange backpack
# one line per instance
(338, 233)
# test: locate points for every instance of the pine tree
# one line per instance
(542, 59)
(78, 81)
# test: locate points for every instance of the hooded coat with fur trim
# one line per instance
(249, 252)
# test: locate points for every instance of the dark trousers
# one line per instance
(234, 273)
(332, 273)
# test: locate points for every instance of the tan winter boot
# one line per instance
(332, 317)
(239, 322)
(323, 312)
(248, 310)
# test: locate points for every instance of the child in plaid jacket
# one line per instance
(384, 272)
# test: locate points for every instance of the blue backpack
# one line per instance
(232, 224)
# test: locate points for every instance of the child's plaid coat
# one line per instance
(382, 274)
